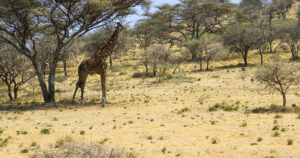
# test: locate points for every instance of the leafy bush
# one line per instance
(224, 106)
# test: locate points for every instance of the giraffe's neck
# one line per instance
(107, 49)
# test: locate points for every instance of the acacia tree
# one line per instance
(242, 38)
(24, 22)
(282, 7)
(291, 36)
(196, 48)
(277, 77)
(145, 37)
(14, 71)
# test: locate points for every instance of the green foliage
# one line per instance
(214, 141)
(259, 139)
(4, 142)
(235, 36)
(186, 109)
(45, 131)
(276, 127)
(24, 151)
(224, 106)
(276, 134)
(164, 150)
(290, 141)
(277, 77)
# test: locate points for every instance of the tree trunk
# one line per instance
(51, 80)
(245, 54)
(46, 95)
(261, 59)
(284, 99)
(200, 62)
(194, 57)
(207, 63)
(270, 47)
(65, 66)
(174, 71)
(9, 92)
(154, 70)
(16, 92)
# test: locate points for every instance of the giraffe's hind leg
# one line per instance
(76, 88)
(82, 85)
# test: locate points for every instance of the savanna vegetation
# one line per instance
(181, 81)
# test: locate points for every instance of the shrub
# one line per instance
(1, 131)
(290, 142)
(4, 142)
(70, 150)
(224, 106)
(45, 131)
(259, 139)
(276, 77)
(138, 75)
(24, 151)
(214, 141)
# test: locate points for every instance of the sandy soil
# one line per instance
(146, 117)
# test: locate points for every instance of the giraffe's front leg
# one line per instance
(103, 86)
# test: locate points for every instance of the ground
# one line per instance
(167, 119)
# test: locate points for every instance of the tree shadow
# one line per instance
(240, 65)
(64, 104)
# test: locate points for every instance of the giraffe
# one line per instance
(96, 64)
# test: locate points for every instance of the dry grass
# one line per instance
(174, 113)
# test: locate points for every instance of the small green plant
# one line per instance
(244, 124)
(45, 131)
(149, 138)
(34, 144)
(82, 132)
(55, 119)
(103, 141)
(186, 109)
(214, 141)
(278, 116)
(224, 106)
(24, 151)
(212, 122)
(21, 132)
(276, 134)
(4, 142)
(163, 150)
(290, 142)
(178, 155)
(62, 141)
(259, 139)
(276, 127)
(1, 131)
(283, 130)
